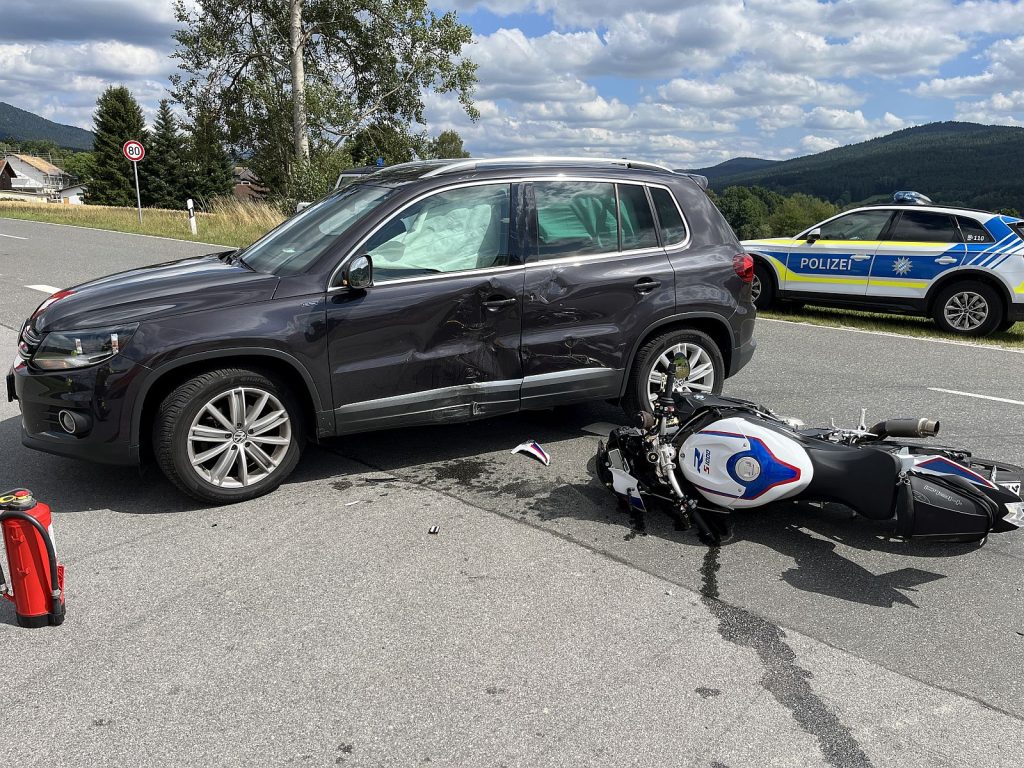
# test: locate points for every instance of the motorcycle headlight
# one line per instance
(61, 350)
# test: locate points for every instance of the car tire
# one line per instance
(969, 308)
(265, 444)
(1006, 325)
(698, 346)
(762, 289)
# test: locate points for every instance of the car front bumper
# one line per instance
(101, 395)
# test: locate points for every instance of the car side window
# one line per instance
(673, 228)
(635, 218)
(575, 218)
(925, 227)
(859, 225)
(451, 231)
(973, 231)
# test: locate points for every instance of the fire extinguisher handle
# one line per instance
(51, 553)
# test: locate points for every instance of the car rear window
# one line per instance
(925, 227)
(673, 228)
(575, 217)
(635, 218)
(973, 231)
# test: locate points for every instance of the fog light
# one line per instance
(74, 423)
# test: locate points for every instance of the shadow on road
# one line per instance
(471, 461)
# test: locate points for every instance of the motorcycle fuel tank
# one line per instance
(736, 463)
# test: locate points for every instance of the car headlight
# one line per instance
(61, 350)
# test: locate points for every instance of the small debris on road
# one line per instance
(434, 530)
(532, 448)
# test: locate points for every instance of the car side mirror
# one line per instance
(358, 275)
(813, 236)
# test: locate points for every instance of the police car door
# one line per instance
(835, 257)
(920, 246)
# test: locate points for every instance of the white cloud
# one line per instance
(810, 143)
(1000, 108)
(1006, 68)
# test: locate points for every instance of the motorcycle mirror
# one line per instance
(682, 366)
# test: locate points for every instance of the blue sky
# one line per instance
(688, 82)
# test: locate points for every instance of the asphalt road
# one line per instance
(323, 625)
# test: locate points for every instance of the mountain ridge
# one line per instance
(17, 124)
(957, 163)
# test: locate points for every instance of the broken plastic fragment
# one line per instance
(434, 530)
(532, 448)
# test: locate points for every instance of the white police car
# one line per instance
(962, 267)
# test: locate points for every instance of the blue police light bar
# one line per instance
(908, 196)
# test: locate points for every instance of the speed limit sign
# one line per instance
(133, 150)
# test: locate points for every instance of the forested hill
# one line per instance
(18, 124)
(734, 167)
(981, 166)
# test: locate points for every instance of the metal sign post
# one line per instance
(134, 151)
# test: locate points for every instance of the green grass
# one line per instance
(231, 222)
(899, 324)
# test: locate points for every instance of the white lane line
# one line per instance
(991, 347)
(980, 397)
(13, 237)
(116, 232)
(43, 288)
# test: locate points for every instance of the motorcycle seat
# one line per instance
(862, 478)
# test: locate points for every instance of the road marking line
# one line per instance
(116, 232)
(992, 347)
(43, 288)
(980, 397)
(13, 237)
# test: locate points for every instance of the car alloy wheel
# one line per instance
(966, 311)
(755, 288)
(702, 371)
(239, 437)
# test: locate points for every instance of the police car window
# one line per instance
(860, 225)
(673, 228)
(575, 217)
(973, 231)
(635, 218)
(452, 231)
(925, 227)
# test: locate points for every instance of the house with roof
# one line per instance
(7, 175)
(35, 175)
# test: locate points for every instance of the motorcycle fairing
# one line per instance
(939, 465)
(736, 463)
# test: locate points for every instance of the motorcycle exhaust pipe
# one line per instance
(905, 428)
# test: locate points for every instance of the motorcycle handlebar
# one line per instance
(906, 428)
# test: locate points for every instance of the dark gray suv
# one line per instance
(425, 293)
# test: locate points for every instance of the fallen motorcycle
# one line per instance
(700, 456)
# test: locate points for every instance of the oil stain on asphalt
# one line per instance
(787, 682)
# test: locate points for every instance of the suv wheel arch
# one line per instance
(713, 325)
(967, 275)
(165, 378)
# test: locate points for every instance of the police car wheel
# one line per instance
(228, 435)
(968, 309)
(762, 289)
(1006, 325)
(707, 369)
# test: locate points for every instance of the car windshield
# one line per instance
(295, 244)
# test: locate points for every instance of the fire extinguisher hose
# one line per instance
(51, 554)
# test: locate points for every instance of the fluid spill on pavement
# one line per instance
(787, 682)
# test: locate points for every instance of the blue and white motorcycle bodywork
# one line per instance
(699, 457)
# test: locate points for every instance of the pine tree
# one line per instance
(165, 172)
(118, 118)
(211, 172)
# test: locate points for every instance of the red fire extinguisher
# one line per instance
(37, 579)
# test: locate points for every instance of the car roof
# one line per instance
(424, 169)
(930, 207)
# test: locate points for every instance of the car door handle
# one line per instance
(645, 285)
(945, 260)
(498, 302)
(861, 256)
